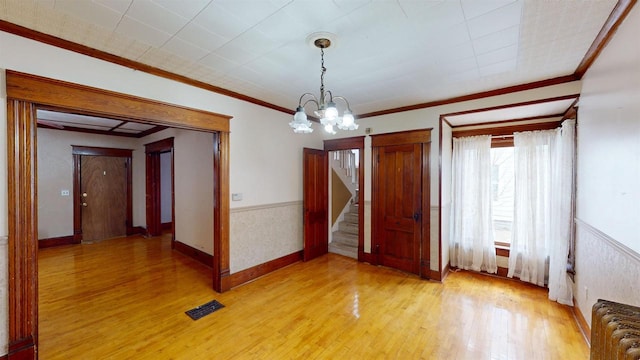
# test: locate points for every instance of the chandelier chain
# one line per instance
(323, 70)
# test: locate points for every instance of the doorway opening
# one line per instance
(344, 166)
(160, 193)
(25, 94)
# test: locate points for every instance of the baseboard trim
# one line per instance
(366, 257)
(194, 253)
(22, 349)
(252, 273)
(582, 322)
(137, 230)
(435, 275)
(4, 357)
(57, 241)
(445, 271)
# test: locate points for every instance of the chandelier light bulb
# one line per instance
(331, 113)
(329, 128)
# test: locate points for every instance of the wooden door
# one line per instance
(316, 203)
(104, 197)
(400, 200)
(400, 207)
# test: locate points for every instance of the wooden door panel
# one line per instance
(104, 181)
(400, 174)
(316, 203)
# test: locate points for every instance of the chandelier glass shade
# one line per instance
(326, 111)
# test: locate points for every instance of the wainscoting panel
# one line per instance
(4, 306)
(605, 269)
(263, 233)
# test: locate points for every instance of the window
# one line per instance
(502, 192)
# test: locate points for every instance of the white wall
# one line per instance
(608, 174)
(55, 173)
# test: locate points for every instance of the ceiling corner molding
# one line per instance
(618, 14)
(135, 65)
(476, 96)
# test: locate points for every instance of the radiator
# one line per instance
(615, 331)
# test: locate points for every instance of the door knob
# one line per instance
(84, 204)
(84, 194)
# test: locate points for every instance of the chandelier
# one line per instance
(326, 107)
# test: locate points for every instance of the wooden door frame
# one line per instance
(25, 93)
(356, 142)
(77, 152)
(423, 137)
(152, 180)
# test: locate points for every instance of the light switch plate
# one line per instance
(236, 196)
(64, 192)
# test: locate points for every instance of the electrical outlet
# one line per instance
(236, 197)
(64, 192)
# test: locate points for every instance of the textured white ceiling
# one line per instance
(386, 54)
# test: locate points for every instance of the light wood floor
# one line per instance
(126, 298)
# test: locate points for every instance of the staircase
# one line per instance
(345, 240)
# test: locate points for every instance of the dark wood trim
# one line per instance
(89, 131)
(138, 230)
(164, 145)
(257, 271)
(6, 357)
(445, 271)
(618, 14)
(57, 241)
(442, 119)
(110, 104)
(512, 105)
(198, 255)
(505, 141)
(77, 151)
(356, 142)
(507, 130)
(100, 151)
(22, 181)
(22, 350)
(548, 118)
(77, 194)
(582, 322)
(221, 212)
(476, 96)
(23, 228)
(153, 181)
(366, 257)
(132, 64)
(402, 137)
(435, 275)
(502, 252)
(502, 272)
(167, 226)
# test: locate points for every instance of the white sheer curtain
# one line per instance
(472, 246)
(531, 231)
(562, 214)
